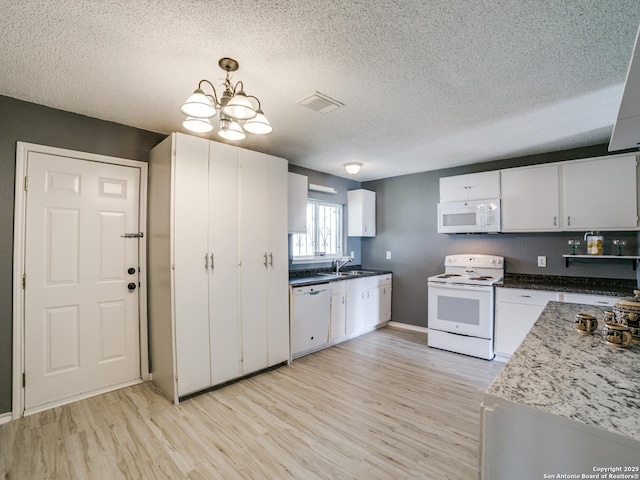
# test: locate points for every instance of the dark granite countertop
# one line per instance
(316, 276)
(591, 286)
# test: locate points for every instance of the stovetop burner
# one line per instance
(472, 269)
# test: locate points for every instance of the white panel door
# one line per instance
(254, 258)
(191, 260)
(224, 321)
(278, 271)
(81, 318)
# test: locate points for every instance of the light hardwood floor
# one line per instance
(381, 406)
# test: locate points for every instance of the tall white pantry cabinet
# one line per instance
(218, 289)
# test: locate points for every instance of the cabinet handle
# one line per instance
(265, 260)
(343, 299)
(363, 295)
(555, 221)
(525, 296)
(568, 221)
(602, 302)
(206, 261)
(212, 261)
(271, 259)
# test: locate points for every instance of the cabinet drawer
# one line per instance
(338, 287)
(525, 297)
(598, 300)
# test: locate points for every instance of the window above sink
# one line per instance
(324, 240)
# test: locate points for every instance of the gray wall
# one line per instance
(27, 122)
(342, 185)
(406, 226)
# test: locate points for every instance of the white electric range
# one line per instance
(461, 304)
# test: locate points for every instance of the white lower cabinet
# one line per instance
(597, 300)
(356, 306)
(385, 298)
(516, 312)
(378, 301)
(218, 269)
(518, 309)
(338, 310)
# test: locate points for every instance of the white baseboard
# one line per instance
(5, 418)
(406, 326)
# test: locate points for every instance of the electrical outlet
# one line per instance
(388, 255)
(542, 261)
(353, 254)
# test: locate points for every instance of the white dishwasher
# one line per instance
(311, 317)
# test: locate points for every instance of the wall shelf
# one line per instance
(633, 258)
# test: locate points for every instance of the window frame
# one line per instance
(299, 259)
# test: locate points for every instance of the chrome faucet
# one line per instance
(344, 261)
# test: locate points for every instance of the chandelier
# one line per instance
(234, 106)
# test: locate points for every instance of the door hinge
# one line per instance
(24, 281)
(24, 379)
(26, 183)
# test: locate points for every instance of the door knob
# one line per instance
(131, 286)
(131, 271)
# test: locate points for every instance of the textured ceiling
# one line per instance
(426, 84)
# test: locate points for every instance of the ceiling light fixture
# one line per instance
(234, 105)
(352, 168)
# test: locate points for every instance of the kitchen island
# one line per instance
(565, 403)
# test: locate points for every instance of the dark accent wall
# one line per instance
(406, 226)
(28, 122)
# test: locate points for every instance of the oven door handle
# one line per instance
(459, 286)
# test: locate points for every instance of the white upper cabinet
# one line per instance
(601, 194)
(297, 206)
(530, 199)
(590, 194)
(473, 186)
(361, 213)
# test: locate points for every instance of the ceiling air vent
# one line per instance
(319, 102)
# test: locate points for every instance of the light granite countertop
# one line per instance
(561, 371)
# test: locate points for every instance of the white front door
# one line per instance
(81, 311)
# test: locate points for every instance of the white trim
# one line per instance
(325, 259)
(82, 396)
(5, 418)
(406, 326)
(22, 151)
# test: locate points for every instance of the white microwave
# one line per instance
(473, 216)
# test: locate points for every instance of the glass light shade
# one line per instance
(234, 132)
(197, 125)
(352, 168)
(258, 125)
(239, 107)
(198, 105)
